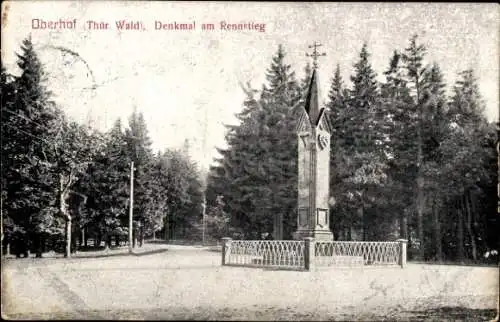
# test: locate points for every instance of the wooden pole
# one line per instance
(131, 210)
(203, 220)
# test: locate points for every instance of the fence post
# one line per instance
(226, 245)
(309, 253)
(402, 252)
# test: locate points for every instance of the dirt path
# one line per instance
(189, 283)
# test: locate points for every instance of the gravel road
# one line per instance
(188, 283)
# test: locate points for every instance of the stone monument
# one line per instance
(314, 132)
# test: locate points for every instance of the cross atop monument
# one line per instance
(315, 54)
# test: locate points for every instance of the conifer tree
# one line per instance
(7, 144)
(304, 82)
(28, 131)
(257, 174)
(468, 174)
(433, 131)
(181, 186)
(413, 57)
(362, 144)
(395, 100)
(364, 93)
(336, 105)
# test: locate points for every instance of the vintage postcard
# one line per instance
(250, 160)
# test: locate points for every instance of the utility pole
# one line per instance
(131, 210)
(204, 206)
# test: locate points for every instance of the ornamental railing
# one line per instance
(340, 253)
(307, 253)
(264, 253)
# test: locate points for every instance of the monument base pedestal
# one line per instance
(318, 235)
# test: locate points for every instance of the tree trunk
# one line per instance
(420, 211)
(403, 225)
(68, 231)
(468, 200)
(82, 236)
(420, 179)
(107, 241)
(437, 232)
(74, 231)
(460, 231)
(141, 236)
(363, 218)
(475, 225)
(68, 237)
(38, 245)
(85, 238)
(166, 228)
(98, 241)
(64, 212)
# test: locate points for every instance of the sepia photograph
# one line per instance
(250, 161)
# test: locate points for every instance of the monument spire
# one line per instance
(312, 99)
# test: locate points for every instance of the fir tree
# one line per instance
(413, 57)
(29, 131)
(395, 101)
(257, 174)
(304, 83)
(364, 93)
(337, 93)
(362, 145)
(468, 173)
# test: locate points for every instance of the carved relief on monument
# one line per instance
(304, 138)
(303, 217)
(323, 140)
(304, 124)
(322, 217)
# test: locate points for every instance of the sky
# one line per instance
(186, 82)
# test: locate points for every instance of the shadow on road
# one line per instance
(87, 254)
(145, 253)
(257, 313)
(196, 243)
(453, 314)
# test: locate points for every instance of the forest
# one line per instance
(408, 159)
(66, 183)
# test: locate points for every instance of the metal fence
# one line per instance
(307, 253)
(339, 253)
(262, 253)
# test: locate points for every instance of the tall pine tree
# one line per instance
(257, 174)
(413, 57)
(28, 132)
